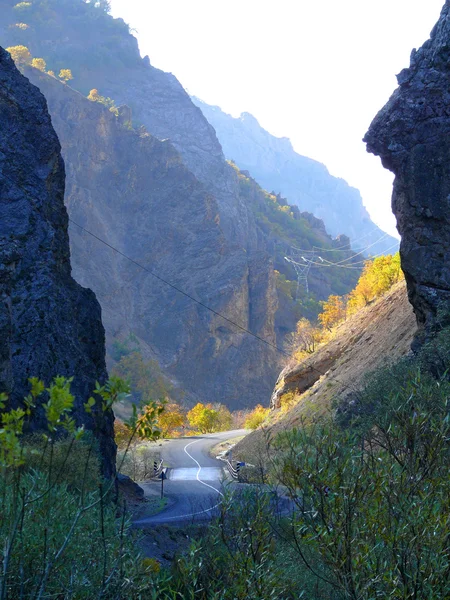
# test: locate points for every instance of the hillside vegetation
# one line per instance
(363, 485)
(372, 326)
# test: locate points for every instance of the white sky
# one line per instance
(316, 71)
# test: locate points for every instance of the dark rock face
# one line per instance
(411, 134)
(49, 324)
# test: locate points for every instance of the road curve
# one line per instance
(195, 480)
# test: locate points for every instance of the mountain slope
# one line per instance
(373, 337)
(133, 191)
(276, 166)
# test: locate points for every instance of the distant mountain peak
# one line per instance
(273, 162)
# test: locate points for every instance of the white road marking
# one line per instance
(199, 469)
(201, 512)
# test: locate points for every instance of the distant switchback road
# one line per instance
(194, 479)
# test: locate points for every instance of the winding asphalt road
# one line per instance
(194, 480)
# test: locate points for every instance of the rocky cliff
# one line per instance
(134, 191)
(49, 324)
(307, 183)
(411, 134)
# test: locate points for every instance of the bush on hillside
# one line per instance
(20, 55)
(257, 417)
(372, 488)
(58, 528)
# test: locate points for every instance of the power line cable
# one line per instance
(327, 263)
(243, 329)
(179, 290)
(362, 251)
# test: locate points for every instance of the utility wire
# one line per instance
(179, 290)
(327, 263)
(243, 329)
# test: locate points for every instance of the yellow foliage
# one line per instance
(378, 276)
(151, 565)
(20, 55)
(23, 6)
(39, 63)
(22, 26)
(306, 339)
(170, 419)
(51, 73)
(334, 311)
(204, 417)
(287, 401)
(65, 75)
(122, 434)
(94, 96)
(257, 417)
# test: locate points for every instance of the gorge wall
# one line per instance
(134, 192)
(411, 134)
(49, 324)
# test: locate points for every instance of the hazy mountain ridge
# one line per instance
(273, 162)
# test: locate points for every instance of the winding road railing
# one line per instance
(157, 469)
(233, 471)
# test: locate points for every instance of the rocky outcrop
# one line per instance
(274, 163)
(49, 324)
(376, 334)
(411, 134)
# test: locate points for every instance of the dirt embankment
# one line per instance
(378, 334)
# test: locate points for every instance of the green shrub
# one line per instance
(372, 489)
(73, 462)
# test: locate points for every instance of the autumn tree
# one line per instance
(257, 417)
(122, 433)
(204, 418)
(306, 338)
(65, 75)
(94, 96)
(20, 55)
(145, 377)
(171, 419)
(39, 63)
(224, 417)
(378, 276)
(334, 311)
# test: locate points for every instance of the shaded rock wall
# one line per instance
(411, 134)
(49, 324)
(134, 191)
